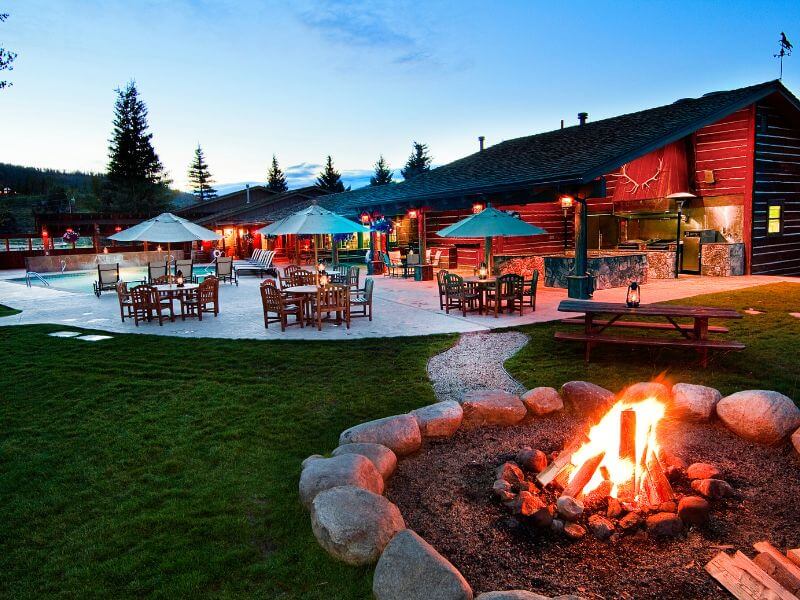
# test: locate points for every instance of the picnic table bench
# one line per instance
(693, 335)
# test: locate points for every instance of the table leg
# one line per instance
(701, 333)
(588, 327)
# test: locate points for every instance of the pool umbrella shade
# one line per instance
(313, 221)
(168, 228)
(490, 223)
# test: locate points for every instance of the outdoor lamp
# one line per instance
(412, 213)
(105, 250)
(477, 208)
(179, 278)
(323, 279)
(365, 218)
(567, 202)
(633, 298)
(321, 266)
(483, 271)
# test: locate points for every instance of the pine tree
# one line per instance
(136, 181)
(383, 174)
(330, 179)
(6, 57)
(200, 177)
(418, 162)
(276, 180)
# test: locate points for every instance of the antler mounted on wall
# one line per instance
(635, 185)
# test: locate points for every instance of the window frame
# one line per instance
(780, 218)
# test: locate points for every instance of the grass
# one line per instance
(148, 465)
(6, 311)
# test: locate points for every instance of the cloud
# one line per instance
(365, 25)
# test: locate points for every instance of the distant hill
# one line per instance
(31, 181)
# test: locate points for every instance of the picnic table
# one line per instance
(693, 335)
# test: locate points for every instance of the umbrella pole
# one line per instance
(168, 263)
(487, 255)
(316, 261)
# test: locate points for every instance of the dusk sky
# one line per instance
(357, 79)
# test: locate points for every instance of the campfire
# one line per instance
(618, 458)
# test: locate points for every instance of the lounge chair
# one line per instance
(206, 295)
(186, 267)
(155, 270)
(363, 299)
(107, 278)
(437, 256)
(125, 302)
(273, 301)
(225, 270)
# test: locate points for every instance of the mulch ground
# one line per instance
(444, 493)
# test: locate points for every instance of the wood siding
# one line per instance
(777, 178)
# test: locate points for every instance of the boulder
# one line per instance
(796, 440)
(511, 595)
(574, 531)
(569, 508)
(614, 509)
(702, 470)
(646, 389)
(384, 459)
(693, 402)
(439, 420)
(712, 488)
(600, 527)
(630, 521)
(348, 469)
(492, 407)
(502, 489)
(664, 525)
(693, 510)
(542, 401)
(309, 459)
(532, 460)
(586, 398)
(526, 504)
(411, 569)
(511, 473)
(760, 416)
(399, 433)
(354, 525)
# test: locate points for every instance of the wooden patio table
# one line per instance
(173, 292)
(692, 336)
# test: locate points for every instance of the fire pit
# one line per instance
(626, 497)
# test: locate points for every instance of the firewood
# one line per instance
(642, 480)
(627, 451)
(738, 581)
(582, 476)
(744, 563)
(777, 566)
(794, 555)
(562, 479)
(561, 461)
(662, 490)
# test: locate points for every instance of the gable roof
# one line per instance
(267, 209)
(208, 205)
(573, 155)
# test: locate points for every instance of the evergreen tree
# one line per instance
(276, 180)
(383, 174)
(136, 181)
(418, 162)
(6, 57)
(330, 179)
(200, 177)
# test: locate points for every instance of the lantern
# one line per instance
(412, 213)
(321, 266)
(477, 208)
(323, 279)
(483, 271)
(105, 250)
(633, 297)
(179, 278)
(567, 202)
(365, 218)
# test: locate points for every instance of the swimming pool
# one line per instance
(82, 281)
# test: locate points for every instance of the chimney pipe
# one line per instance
(582, 116)
(481, 139)
(247, 190)
(562, 123)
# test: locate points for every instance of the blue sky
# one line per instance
(357, 79)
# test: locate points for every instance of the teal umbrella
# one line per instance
(487, 224)
(314, 221)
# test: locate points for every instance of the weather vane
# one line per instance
(786, 50)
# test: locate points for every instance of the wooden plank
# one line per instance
(648, 341)
(641, 325)
(778, 566)
(794, 555)
(738, 582)
(654, 310)
(627, 451)
(561, 461)
(747, 565)
(583, 475)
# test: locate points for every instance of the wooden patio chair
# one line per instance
(141, 300)
(440, 282)
(125, 301)
(285, 280)
(460, 295)
(155, 270)
(273, 301)
(204, 299)
(303, 277)
(331, 299)
(162, 280)
(509, 289)
(529, 291)
(107, 278)
(225, 271)
(362, 300)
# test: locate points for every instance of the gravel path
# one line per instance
(476, 362)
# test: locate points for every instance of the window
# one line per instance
(774, 218)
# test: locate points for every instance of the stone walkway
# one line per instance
(476, 362)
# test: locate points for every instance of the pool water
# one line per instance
(83, 281)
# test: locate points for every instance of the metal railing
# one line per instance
(35, 275)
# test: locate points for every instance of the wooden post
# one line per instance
(627, 451)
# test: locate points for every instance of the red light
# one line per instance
(477, 208)
(117, 228)
(412, 213)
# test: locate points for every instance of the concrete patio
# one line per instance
(401, 308)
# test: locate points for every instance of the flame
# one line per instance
(605, 437)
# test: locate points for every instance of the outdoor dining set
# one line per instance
(486, 293)
(155, 301)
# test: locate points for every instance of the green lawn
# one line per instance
(5, 311)
(155, 465)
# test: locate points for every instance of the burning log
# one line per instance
(583, 476)
(561, 461)
(627, 451)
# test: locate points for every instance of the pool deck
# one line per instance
(401, 308)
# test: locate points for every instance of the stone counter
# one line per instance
(722, 259)
(613, 269)
(660, 264)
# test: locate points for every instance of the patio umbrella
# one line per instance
(487, 224)
(313, 221)
(168, 228)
